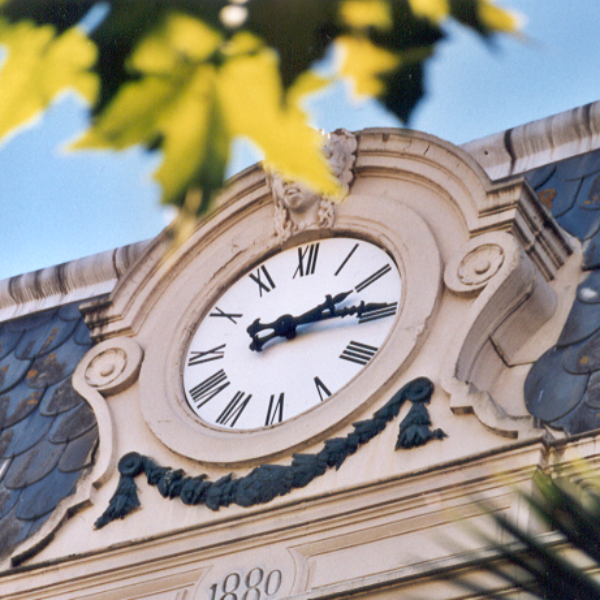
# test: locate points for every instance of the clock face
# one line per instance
(291, 332)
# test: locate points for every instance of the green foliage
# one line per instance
(188, 76)
(570, 506)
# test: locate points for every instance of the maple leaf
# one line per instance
(187, 100)
(38, 66)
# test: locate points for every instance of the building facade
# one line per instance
(309, 399)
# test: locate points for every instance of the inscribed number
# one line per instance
(251, 587)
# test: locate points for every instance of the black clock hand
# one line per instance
(286, 325)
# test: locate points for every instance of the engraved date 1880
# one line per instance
(257, 584)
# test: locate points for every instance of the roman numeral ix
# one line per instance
(275, 410)
(373, 278)
(307, 260)
(262, 285)
(209, 388)
(358, 353)
(202, 356)
(234, 409)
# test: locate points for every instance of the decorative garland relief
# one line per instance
(266, 482)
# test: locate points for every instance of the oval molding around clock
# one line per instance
(398, 231)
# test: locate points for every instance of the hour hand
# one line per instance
(286, 325)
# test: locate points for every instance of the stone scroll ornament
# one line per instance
(266, 482)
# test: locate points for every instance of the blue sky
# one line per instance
(57, 206)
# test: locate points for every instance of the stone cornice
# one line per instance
(501, 155)
(74, 280)
(538, 143)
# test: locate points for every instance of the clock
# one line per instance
(289, 333)
(320, 358)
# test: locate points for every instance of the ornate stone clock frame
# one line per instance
(479, 264)
(432, 208)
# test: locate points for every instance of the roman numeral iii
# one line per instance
(358, 353)
(389, 310)
(307, 260)
(262, 284)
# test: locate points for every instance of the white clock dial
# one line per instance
(247, 367)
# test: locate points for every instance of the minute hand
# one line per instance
(286, 325)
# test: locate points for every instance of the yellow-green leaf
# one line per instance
(133, 115)
(173, 103)
(360, 14)
(38, 66)
(498, 19)
(434, 10)
(180, 39)
(273, 121)
(364, 63)
(188, 128)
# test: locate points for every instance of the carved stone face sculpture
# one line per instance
(298, 208)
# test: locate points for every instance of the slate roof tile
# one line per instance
(48, 432)
(562, 388)
(12, 532)
(33, 465)
(583, 357)
(73, 424)
(550, 391)
(8, 499)
(12, 371)
(8, 339)
(588, 196)
(79, 452)
(23, 435)
(592, 393)
(42, 497)
(591, 252)
(31, 321)
(18, 403)
(538, 178)
(59, 398)
(40, 341)
(583, 321)
(51, 368)
(561, 194)
(70, 312)
(589, 290)
(578, 167)
(82, 334)
(581, 224)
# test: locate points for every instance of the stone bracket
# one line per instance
(512, 300)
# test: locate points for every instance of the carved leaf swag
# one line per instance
(266, 482)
